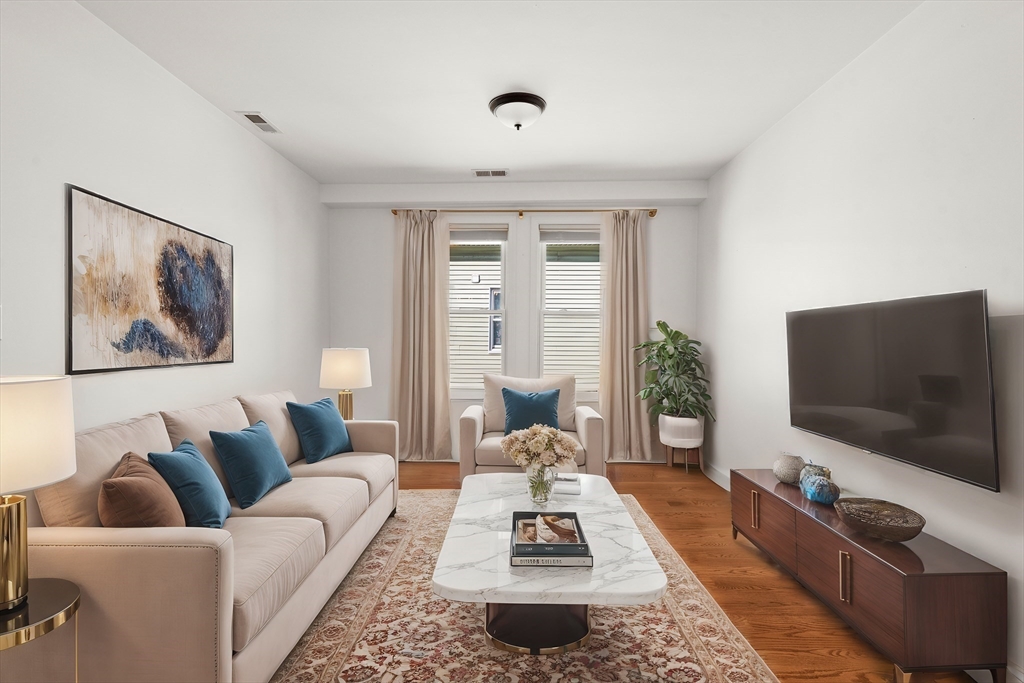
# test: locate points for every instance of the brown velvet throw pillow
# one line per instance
(138, 496)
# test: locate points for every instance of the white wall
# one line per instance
(362, 255)
(362, 247)
(902, 176)
(81, 105)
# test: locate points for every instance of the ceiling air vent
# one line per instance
(490, 173)
(257, 120)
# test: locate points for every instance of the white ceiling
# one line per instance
(390, 92)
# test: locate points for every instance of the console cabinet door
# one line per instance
(768, 522)
(865, 592)
(818, 558)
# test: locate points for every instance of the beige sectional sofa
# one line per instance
(197, 604)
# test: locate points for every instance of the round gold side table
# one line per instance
(51, 602)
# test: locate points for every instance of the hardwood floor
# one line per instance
(799, 638)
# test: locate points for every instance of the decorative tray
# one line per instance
(880, 518)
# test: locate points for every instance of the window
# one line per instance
(524, 299)
(475, 311)
(571, 311)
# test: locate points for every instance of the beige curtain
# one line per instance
(624, 307)
(419, 369)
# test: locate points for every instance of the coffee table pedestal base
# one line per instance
(537, 629)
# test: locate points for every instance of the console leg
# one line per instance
(998, 675)
(734, 533)
(899, 675)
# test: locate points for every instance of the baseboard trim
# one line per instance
(1014, 674)
(717, 476)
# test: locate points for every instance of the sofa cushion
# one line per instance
(137, 496)
(335, 502)
(190, 476)
(273, 555)
(252, 462)
(321, 429)
(271, 409)
(195, 425)
(523, 409)
(494, 404)
(376, 469)
(489, 450)
(74, 501)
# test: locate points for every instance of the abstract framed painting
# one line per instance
(143, 292)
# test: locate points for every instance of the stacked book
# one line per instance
(548, 539)
(567, 484)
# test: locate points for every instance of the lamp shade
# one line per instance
(345, 369)
(37, 432)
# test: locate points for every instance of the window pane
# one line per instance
(572, 346)
(475, 329)
(474, 276)
(471, 338)
(572, 312)
(572, 277)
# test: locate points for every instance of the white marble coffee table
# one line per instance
(542, 610)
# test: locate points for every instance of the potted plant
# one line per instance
(676, 385)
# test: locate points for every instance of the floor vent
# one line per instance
(490, 173)
(257, 120)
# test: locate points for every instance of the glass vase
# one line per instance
(540, 479)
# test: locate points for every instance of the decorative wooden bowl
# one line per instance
(880, 518)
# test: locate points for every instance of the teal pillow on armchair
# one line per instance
(525, 409)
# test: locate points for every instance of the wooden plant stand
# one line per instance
(691, 456)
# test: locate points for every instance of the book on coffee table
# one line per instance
(553, 539)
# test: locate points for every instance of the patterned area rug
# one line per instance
(385, 625)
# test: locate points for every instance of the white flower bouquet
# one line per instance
(535, 450)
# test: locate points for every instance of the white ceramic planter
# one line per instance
(681, 432)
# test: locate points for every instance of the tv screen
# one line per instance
(910, 379)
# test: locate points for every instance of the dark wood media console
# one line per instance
(924, 604)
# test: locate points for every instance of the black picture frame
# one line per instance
(184, 335)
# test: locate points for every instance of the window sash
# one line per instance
(472, 313)
(571, 313)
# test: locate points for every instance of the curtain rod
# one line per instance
(650, 212)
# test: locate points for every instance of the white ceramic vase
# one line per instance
(681, 432)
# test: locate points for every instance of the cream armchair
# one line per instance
(481, 428)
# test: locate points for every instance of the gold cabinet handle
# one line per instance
(755, 509)
(844, 576)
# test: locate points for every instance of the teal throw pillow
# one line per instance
(197, 488)
(252, 462)
(525, 409)
(322, 432)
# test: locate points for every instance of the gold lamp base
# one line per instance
(13, 552)
(345, 405)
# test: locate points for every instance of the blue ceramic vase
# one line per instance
(812, 470)
(819, 489)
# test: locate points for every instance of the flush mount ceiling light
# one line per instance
(518, 109)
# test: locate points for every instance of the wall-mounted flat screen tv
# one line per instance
(910, 379)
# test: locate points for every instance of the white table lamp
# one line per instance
(345, 369)
(37, 447)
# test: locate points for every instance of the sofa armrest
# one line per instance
(376, 436)
(471, 433)
(156, 603)
(590, 428)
